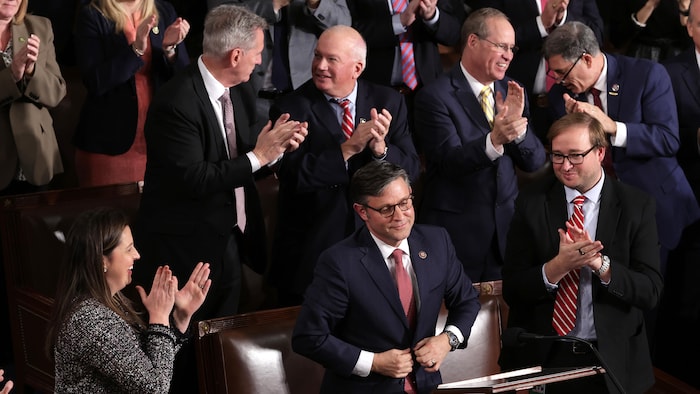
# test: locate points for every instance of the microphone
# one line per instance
(517, 337)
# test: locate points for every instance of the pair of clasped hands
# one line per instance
(398, 363)
(576, 250)
(165, 298)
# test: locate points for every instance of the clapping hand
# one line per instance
(191, 296)
(159, 302)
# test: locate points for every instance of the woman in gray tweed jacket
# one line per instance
(100, 344)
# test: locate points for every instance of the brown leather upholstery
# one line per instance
(251, 353)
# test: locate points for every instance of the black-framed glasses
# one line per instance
(574, 158)
(388, 211)
(503, 48)
(555, 74)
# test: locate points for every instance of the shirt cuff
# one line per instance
(254, 162)
(491, 151)
(434, 20)
(456, 331)
(396, 23)
(364, 364)
(620, 138)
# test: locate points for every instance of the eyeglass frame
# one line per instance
(501, 47)
(408, 201)
(566, 74)
(579, 156)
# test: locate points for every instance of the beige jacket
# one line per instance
(27, 136)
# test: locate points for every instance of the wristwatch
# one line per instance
(605, 264)
(454, 341)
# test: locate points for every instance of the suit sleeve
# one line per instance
(47, 86)
(325, 305)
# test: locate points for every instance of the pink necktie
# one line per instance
(408, 64)
(230, 128)
(347, 125)
(564, 317)
(405, 287)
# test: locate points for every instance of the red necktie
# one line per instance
(607, 159)
(230, 128)
(408, 64)
(564, 317)
(405, 287)
(347, 124)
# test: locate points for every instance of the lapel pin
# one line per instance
(22, 39)
(614, 89)
(423, 255)
(363, 120)
(155, 30)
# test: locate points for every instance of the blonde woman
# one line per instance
(125, 50)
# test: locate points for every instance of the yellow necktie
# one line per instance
(486, 104)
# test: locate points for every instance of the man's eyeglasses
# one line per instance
(389, 210)
(503, 48)
(574, 158)
(555, 74)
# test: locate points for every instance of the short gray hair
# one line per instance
(570, 40)
(230, 26)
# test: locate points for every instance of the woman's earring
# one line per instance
(105, 268)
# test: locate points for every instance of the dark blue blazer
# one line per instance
(107, 66)
(640, 95)
(467, 193)
(523, 16)
(314, 212)
(353, 305)
(685, 77)
(627, 231)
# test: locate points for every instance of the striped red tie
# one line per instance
(347, 125)
(405, 288)
(564, 317)
(408, 63)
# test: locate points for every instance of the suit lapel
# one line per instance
(556, 212)
(204, 102)
(613, 87)
(374, 263)
(609, 214)
(421, 258)
(465, 96)
(326, 116)
(691, 76)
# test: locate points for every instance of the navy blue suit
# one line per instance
(640, 95)
(314, 212)
(107, 66)
(353, 305)
(685, 77)
(467, 193)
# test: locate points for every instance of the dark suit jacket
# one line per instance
(353, 305)
(467, 193)
(640, 95)
(373, 20)
(523, 16)
(187, 210)
(685, 78)
(314, 212)
(107, 66)
(27, 136)
(627, 231)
